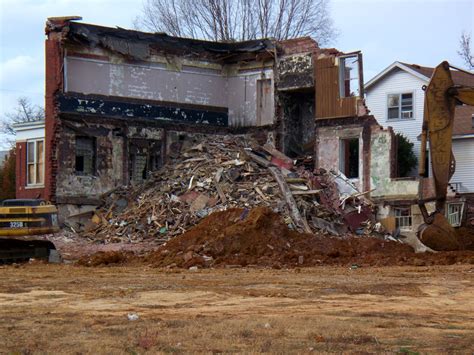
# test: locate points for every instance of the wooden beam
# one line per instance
(290, 201)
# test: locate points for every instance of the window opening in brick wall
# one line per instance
(85, 155)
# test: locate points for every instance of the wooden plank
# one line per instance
(309, 192)
(290, 201)
(259, 160)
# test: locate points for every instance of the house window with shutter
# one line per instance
(35, 162)
(400, 106)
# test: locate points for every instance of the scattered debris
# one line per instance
(132, 317)
(215, 173)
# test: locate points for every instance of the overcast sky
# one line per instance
(414, 31)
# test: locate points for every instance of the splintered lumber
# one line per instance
(290, 201)
(278, 158)
(259, 160)
(219, 190)
(308, 192)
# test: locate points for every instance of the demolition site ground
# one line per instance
(49, 308)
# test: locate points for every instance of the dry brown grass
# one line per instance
(75, 310)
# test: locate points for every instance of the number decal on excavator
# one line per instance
(16, 224)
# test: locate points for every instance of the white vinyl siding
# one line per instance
(463, 150)
(398, 82)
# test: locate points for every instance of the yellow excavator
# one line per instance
(441, 97)
(23, 223)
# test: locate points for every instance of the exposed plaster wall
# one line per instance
(381, 160)
(328, 141)
(172, 80)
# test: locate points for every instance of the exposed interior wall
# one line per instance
(176, 80)
(298, 111)
(117, 151)
(329, 144)
(329, 103)
(380, 172)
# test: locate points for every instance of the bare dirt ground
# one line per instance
(71, 309)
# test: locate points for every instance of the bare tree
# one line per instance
(465, 50)
(230, 20)
(25, 111)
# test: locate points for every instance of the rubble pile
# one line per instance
(260, 238)
(214, 173)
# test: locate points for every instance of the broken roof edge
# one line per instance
(94, 33)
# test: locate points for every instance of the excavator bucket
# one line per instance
(439, 234)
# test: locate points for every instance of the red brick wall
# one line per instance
(22, 191)
(298, 45)
(54, 83)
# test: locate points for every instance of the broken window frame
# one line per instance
(35, 159)
(454, 213)
(93, 157)
(403, 221)
(401, 108)
(345, 82)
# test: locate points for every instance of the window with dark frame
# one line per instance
(85, 155)
(400, 106)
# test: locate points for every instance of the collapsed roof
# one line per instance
(140, 45)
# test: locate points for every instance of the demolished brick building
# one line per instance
(119, 101)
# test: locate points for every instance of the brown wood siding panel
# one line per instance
(328, 103)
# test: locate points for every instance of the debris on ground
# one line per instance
(259, 237)
(206, 174)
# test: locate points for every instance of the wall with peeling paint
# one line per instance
(205, 85)
(295, 72)
(381, 160)
(328, 142)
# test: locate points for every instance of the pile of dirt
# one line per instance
(259, 237)
(106, 258)
(465, 238)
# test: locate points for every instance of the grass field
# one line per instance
(74, 310)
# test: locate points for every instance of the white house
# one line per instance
(396, 98)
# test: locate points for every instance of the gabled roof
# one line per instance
(459, 77)
(424, 73)
(393, 66)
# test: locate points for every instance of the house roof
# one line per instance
(424, 73)
(459, 77)
(463, 124)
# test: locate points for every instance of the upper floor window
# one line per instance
(400, 106)
(35, 162)
(349, 75)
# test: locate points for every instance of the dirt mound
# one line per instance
(259, 237)
(106, 258)
(465, 237)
